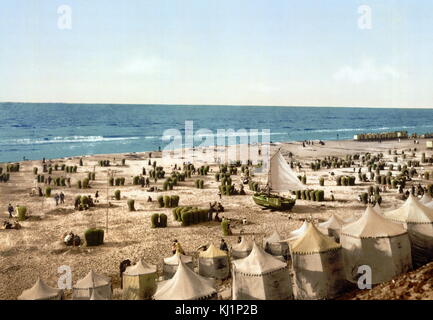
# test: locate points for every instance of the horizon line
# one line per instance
(218, 105)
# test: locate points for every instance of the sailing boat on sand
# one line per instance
(281, 178)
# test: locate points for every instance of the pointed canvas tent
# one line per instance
(139, 281)
(242, 249)
(351, 219)
(378, 208)
(260, 276)
(41, 291)
(298, 232)
(84, 288)
(213, 263)
(377, 242)
(426, 198)
(318, 268)
(281, 177)
(276, 246)
(185, 285)
(171, 263)
(418, 220)
(332, 227)
(97, 296)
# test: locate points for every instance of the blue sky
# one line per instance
(255, 52)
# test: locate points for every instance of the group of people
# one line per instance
(71, 239)
(215, 208)
(307, 142)
(59, 198)
(8, 224)
(177, 248)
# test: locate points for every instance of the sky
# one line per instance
(218, 52)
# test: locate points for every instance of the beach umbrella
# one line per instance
(418, 220)
(41, 291)
(377, 242)
(186, 285)
(84, 288)
(139, 281)
(171, 263)
(213, 263)
(242, 249)
(317, 264)
(260, 276)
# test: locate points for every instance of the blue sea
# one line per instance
(36, 130)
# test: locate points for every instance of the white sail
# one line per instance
(281, 177)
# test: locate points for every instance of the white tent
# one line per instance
(260, 276)
(378, 208)
(97, 296)
(41, 291)
(185, 285)
(171, 263)
(317, 263)
(351, 219)
(418, 220)
(213, 263)
(84, 288)
(139, 281)
(377, 242)
(332, 227)
(276, 246)
(298, 232)
(281, 177)
(242, 249)
(426, 198)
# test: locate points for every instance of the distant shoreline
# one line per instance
(156, 153)
(213, 105)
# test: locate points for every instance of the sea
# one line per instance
(34, 131)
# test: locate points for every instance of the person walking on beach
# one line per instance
(10, 210)
(62, 198)
(219, 194)
(96, 196)
(56, 198)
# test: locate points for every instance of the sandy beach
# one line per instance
(36, 250)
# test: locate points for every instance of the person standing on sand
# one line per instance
(177, 248)
(10, 210)
(219, 194)
(62, 198)
(223, 246)
(56, 198)
(96, 196)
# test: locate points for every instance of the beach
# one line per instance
(37, 249)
